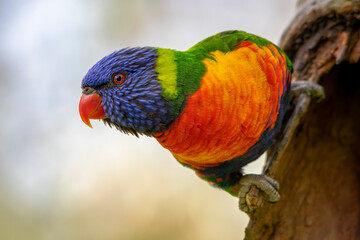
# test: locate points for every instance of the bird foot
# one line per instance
(255, 190)
(313, 90)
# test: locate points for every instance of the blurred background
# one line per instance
(60, 179)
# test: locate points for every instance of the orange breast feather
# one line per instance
(238, 100)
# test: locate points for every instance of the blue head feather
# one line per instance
(137, 105)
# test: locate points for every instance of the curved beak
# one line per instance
(90, 108)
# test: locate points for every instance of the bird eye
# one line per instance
(119, 78)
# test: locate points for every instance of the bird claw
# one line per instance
(311, 89)
(255, 190)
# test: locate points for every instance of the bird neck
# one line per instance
(179, 74)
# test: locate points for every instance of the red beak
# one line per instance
(90, 108)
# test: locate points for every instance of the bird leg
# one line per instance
(305, 91)
(256, 189)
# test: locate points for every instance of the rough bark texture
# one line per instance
(319, 170)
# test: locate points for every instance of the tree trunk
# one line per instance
(319, 171)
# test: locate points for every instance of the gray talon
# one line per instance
(249, 194)
(311, 89)
(273, 182)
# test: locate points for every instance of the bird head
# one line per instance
(123, 90)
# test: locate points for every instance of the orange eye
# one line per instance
(119, 78)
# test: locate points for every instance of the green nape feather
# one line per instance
(180, 73)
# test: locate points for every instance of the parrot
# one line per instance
(216, 106)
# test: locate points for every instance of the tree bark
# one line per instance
(319, 171)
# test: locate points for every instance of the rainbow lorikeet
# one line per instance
(216, 107)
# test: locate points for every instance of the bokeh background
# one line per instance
(60, 179)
